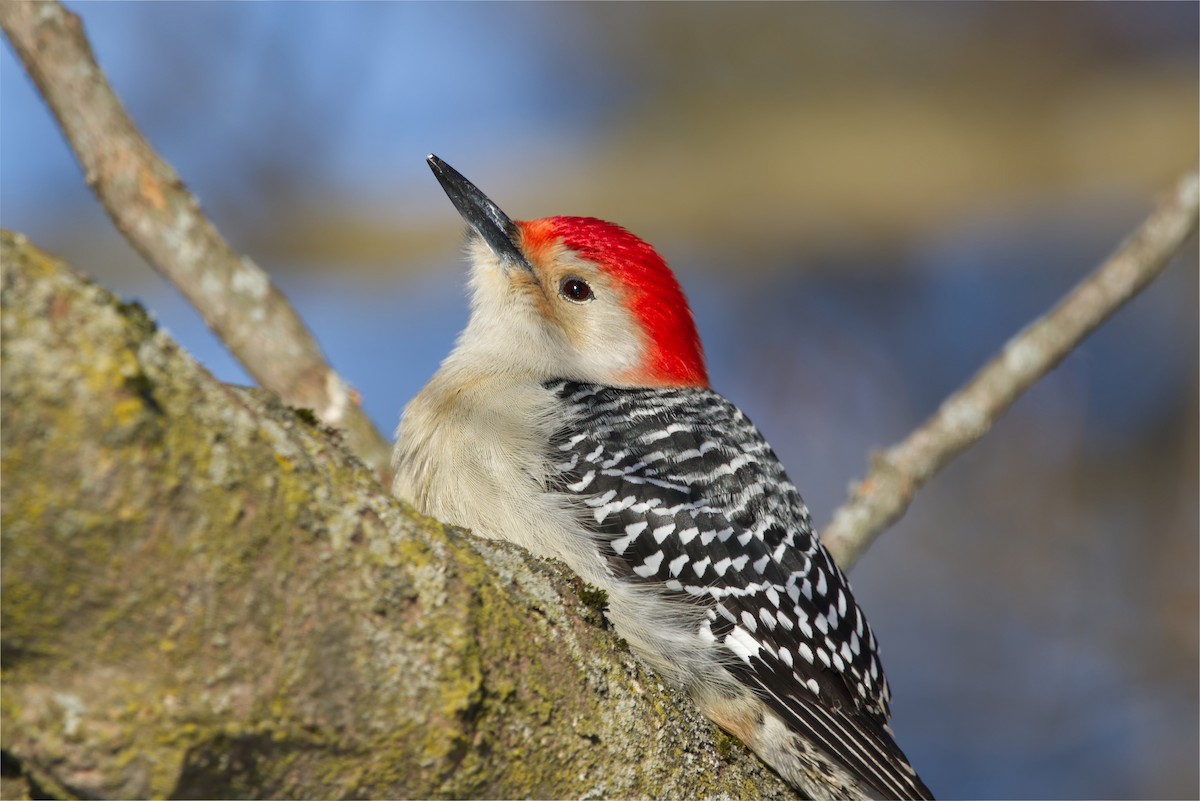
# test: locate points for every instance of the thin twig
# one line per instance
(162, 221)
(898, 472)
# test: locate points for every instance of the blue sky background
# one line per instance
(863, 202)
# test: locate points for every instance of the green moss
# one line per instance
(593, 597)
(307, 416)
(141, 322)
(727, 745)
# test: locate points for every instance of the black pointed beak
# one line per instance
(500, 232)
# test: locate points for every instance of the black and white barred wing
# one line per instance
(687, 494)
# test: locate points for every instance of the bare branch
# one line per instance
(898, 472)
(162, 220)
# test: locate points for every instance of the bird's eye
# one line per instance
(576, 290)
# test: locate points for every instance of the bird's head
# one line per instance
(571, 297)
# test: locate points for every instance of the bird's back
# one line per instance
(687, 497)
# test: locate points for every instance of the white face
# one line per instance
(566, 319)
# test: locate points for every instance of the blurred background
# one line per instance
(863, 201)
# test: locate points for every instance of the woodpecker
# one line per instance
(574, 417)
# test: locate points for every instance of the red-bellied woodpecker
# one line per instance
(574, 417)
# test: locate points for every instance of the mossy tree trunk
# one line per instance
(205, 595)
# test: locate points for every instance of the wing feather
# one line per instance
(687, 494)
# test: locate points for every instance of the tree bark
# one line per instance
(204, 594)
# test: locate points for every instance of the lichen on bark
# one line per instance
(205, 595)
